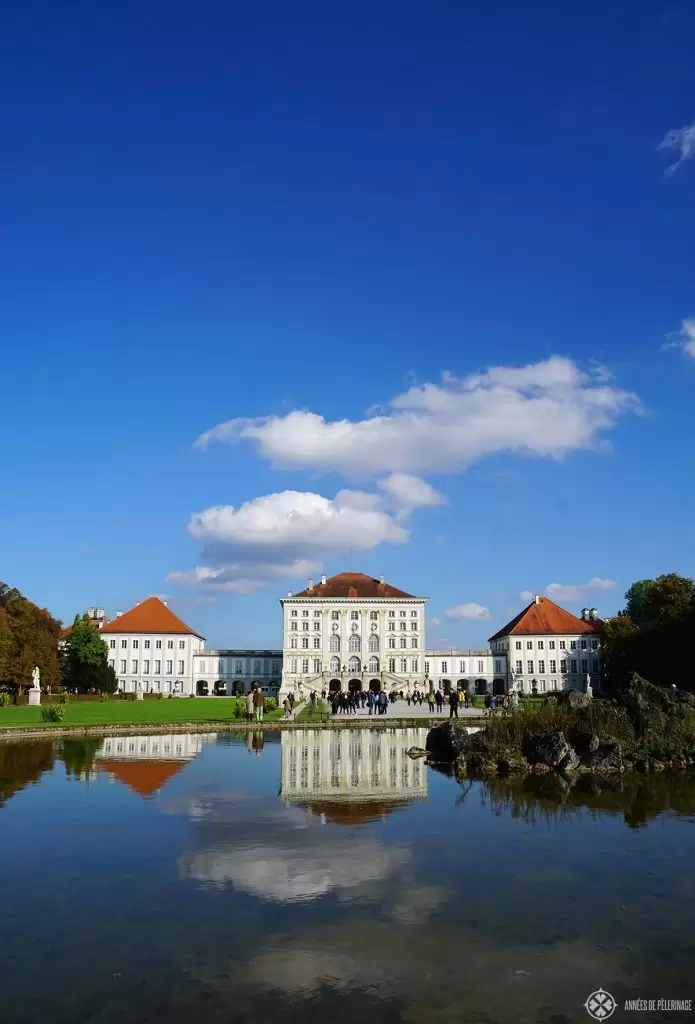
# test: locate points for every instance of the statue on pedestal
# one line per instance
(589, 691)
(35, 691)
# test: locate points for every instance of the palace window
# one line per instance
(404, 625)
(180, 668)
(170, 645)
(498, 668)
(305, 664)
(317, 664)
(354, 665)
(413, 665)
(563, 666)
(553, 667)
(585, 665)
(158, 644)
(413, 641)
(257, 667)
(374, 616)
(462, 667)
(293, 644)
(551, 645)
(404, 664)
(374, 664)
(305, 643)
(293, 626)
(335, 665)
(335, 616)
(134, 668)
(481, 666)
(293, 664)
(562, 645)
(293, 613)
(392, 664)
(146, 667)
(124, 665)
(392, 615)
(573, 645)
(317, 643)
(334, 643)
(573, 665)
(354, 616)
(519, 667)
(392, 627)
(170, 668)
(157, 668)
(317, 626)
(112, 643)
(413, 614)
(445, 666)
(124, 643)
(594, 645)
(135, 645)
(529, 645)
(373, 642)
(518, 645)
(402, 613)
(305, 627)
(529, 667)
(182, 645)
(594, 665)
(540, 645)
(354, 643)
(147, 645)
(392, 643)
(583, 645)
(541, 667)
(404, 641)
(413, 626)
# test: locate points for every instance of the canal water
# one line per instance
(323, 876)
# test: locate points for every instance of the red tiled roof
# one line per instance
(142, 777)
(355, 813)
(547, 617)
(150, 616)
(352, 584)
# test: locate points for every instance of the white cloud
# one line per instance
(683, 141)
(471, 610)
(286, 534)
(577, 591)
(547, 409)
(435, 622)
(527, 595)
(408, 492)
(687, 334)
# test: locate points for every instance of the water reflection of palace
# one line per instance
(352, 775)
(146, 763)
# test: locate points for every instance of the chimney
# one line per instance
(585, 614)
(381, 579)
(594, 613)
(311, 585)
(165, 603)
(289, 593)
(118, 614)
(323, 580)
(537, 599)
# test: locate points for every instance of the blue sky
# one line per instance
(426, 262)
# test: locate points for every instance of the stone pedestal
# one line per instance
(140, 695)
(35, 695)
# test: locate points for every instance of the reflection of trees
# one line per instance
(554, 797)
(79, 755)
(22, 763)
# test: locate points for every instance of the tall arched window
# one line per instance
(335, 666)
(374, 642)
(334, 643)
(373, 664)
(354, 643)
(354, 664)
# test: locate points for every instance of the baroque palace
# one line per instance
(351, 631)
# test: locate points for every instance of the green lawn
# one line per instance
(305, 714)
(136, 712)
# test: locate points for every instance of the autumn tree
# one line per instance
(28, 638)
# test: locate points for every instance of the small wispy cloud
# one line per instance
(685, 338)
(470, 610)
(682, 140)
(571, 591)
(435, 622)
(527, 595)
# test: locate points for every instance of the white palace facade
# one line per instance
(354, 632)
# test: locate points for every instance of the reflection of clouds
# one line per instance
(277, 852)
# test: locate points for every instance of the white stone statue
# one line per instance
(589, 691)
(35, 691)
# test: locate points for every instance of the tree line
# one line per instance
(30, 637)
(653, 634)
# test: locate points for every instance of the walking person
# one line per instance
(453, 704)
(258, 704)
(249, 706)
(287, 706)
(439, 700)
(430, 701)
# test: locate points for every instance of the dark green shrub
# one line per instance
(63, 698)
(5, 700)
(52, 713)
